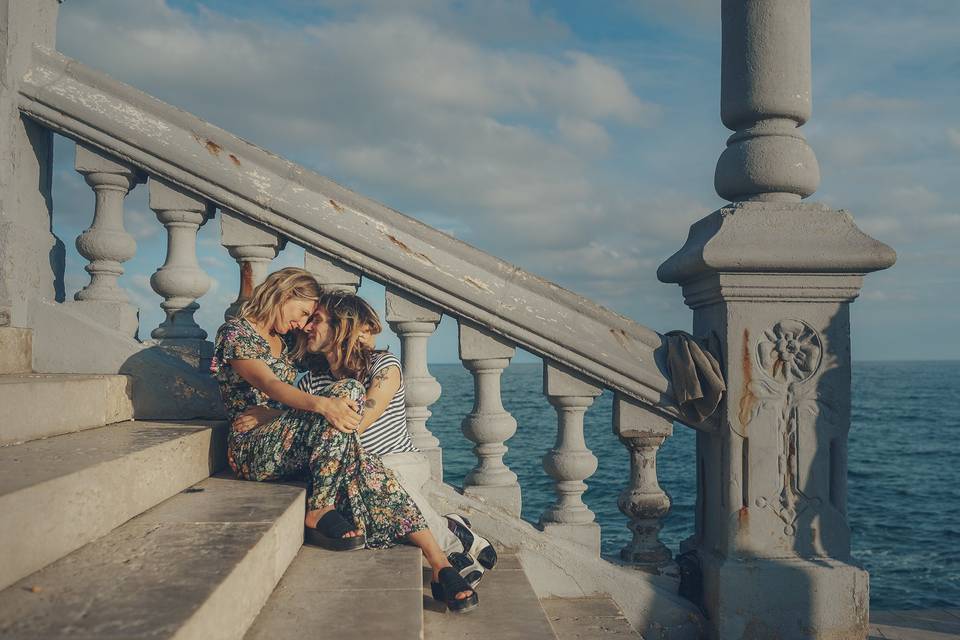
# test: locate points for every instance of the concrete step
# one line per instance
(356, 595)
(60, 493)
(592, 618)
(16, 350)
(38, 405)
(509, 609)
(199, 566)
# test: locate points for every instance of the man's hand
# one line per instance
(254, 417)
(342, 413)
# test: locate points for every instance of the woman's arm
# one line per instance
(341, 412)
(383, 386)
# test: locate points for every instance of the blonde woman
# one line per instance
(338, 345)
(352, 501)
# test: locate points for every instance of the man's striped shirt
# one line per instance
(388, 433)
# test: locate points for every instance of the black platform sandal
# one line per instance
(451, 583)
(468, 568)
(329, 533)
(473, 545)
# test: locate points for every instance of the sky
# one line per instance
(577, 140)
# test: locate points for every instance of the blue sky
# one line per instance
(577, 140)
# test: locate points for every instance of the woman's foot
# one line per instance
(450, 588)
(332, 531)
(312, 517)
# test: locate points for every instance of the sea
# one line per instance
(904, 483)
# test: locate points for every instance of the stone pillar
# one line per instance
(31, 257)
(414, 320)
(488, 425)
(569, 462)
(332, 274)
(253, 247)
(642, 432)
(106, 244)
(180, 280)
(773, 277)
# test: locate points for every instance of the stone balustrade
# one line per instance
(253, 247)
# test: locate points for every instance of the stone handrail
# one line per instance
(101, 112)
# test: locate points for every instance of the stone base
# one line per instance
(117, 316)
(194, 352)
(506, 498)
(435, 457)
(16, 350)
(587, 535)
(785, 598)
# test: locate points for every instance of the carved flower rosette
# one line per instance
(791, 352)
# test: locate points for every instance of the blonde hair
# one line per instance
(348, 314)
(264, 303)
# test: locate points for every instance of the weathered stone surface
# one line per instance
(166, 575)
(509, 610)
(16, 350)
(332, 274)
(562, 568)
(587, 618)
(60, 493)
(164, 387)
(38, 405)
(31, 257)
(356, 596)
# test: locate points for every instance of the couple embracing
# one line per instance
(342, 427)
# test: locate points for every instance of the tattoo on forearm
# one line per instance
(378, 378)
(369, 403)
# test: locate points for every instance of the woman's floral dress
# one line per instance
(302, 443)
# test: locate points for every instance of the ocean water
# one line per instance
(904, 484)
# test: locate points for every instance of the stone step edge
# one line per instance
(225, 611)
(248, 587)
(199, 455)
(41, 405)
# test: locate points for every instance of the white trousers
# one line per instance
(413, 471)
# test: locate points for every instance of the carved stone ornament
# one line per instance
(792, 351)
(790, 354)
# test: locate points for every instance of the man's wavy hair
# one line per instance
(347, 314)
(264, 303)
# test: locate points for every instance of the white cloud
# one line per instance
(953, 137)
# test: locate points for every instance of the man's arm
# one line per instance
(383, 386)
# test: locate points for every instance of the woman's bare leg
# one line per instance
(434, 555)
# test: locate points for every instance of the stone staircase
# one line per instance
(116, 528)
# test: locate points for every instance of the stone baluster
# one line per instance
(642, 432)
(332, 274)
(569, 462)
(253, 247)
(488, 425)
(773, 277)
(106, 244)
(180, 280)
(414, 320)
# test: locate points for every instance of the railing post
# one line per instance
(253, 247)
(414, 321)
(488, 425)
(644, 502)
(106, 244)
(332, 274)
(33, 258)
(569, 462)
(773, 278)
(180, 280)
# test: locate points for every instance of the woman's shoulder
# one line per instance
(381, 360)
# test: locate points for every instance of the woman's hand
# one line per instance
(342, 413)
(254, 417)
